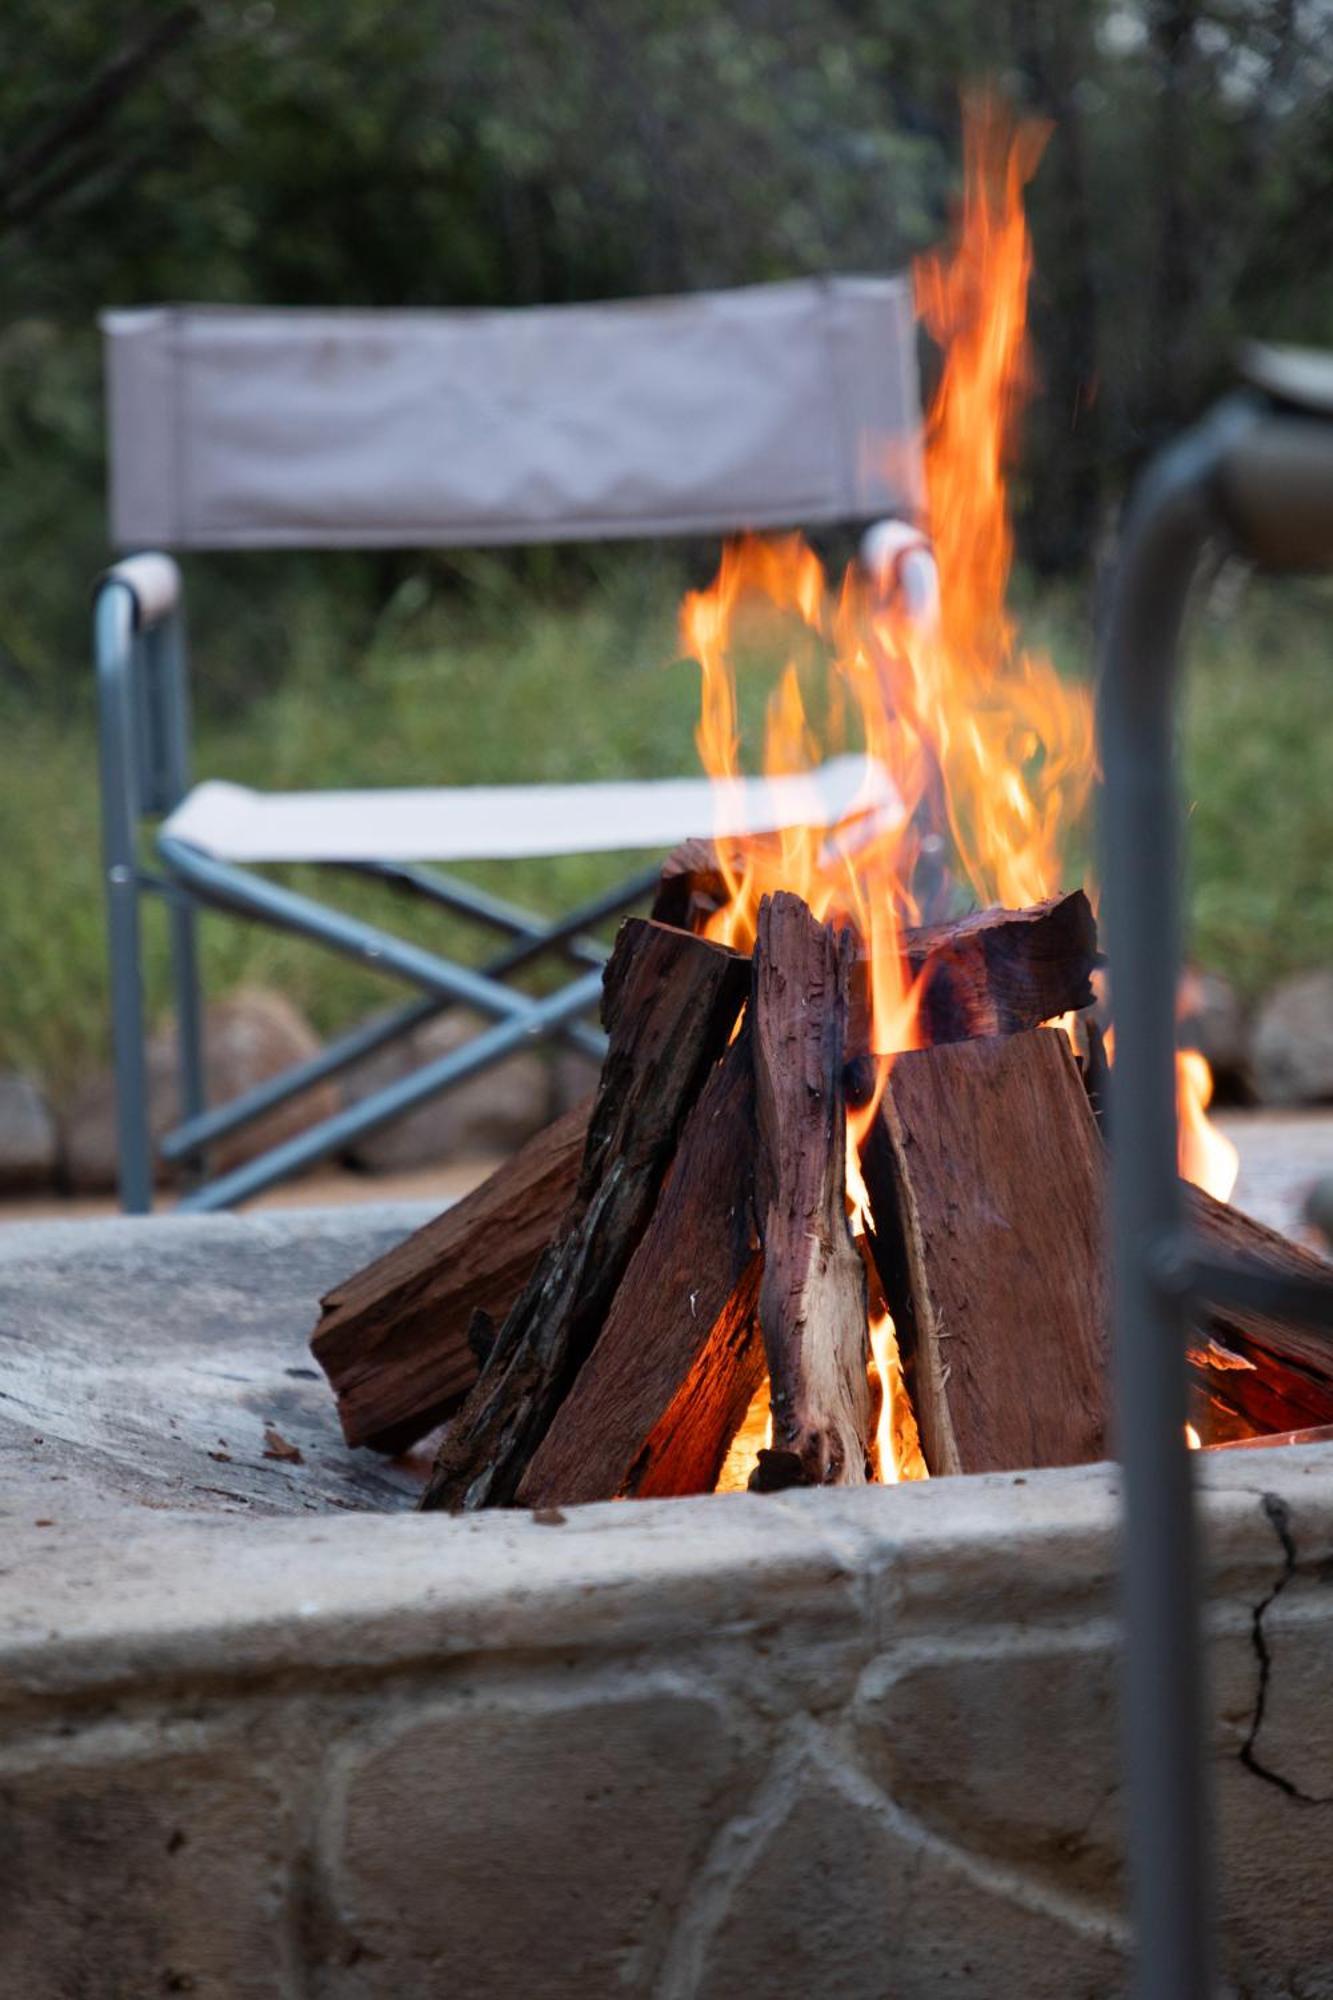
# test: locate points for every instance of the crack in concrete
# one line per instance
(1278, 1514)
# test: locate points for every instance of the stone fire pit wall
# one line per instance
(855, 1744)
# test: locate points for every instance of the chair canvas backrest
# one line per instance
(770, 406)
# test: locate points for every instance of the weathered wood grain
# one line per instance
(673, 1370)
(670, 1003)
(812, 1301)
(394, 1338)
(1251, 1372)
(994, 972)
(985, 1175)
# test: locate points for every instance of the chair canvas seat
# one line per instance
(498, 822)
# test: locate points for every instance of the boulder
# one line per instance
(28, 1142)
(248, 1037)
(1291, 1051)
(574, 1078)
(490, 1114)
(1213, 1021)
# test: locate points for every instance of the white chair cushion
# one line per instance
(497, 822)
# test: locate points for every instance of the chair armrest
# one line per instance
(153, 581)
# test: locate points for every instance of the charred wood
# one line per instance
(395, 1339)
(985, 1172)
(812, 1301)
(669, 1005)
(673, 1370)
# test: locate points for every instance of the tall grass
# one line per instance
(500, 683)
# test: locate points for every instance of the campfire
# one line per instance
(835, 1211)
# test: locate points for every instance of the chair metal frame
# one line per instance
(1256, 475)
(191, 468)
(140, 654)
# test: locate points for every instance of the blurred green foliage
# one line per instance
(397, 152)
(499, 682)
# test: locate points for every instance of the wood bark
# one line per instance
(395, 1339)
(998, 972)
(1251, 1373)
(994, 972)
(673, 1370)
(812, 1301)
(669, 1005)
(985, 1173)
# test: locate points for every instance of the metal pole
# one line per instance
(1170, 1863)
(336, 1132)
(1261, 472)
(118, 745)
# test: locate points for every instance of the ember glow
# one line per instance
(990, 753)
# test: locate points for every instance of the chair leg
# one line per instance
(127, 1029)
(189, 1018)
(114, 659)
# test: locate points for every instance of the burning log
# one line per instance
(984, 1171)
(1253, 1373)
(995, 972)
(669, 1004)
(1000, 971)
(679, 1358)
(394, 1340)
(812, 1301)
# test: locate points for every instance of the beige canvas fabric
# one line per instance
(773, 405)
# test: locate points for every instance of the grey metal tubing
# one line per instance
(363, 1041)
(231, 888)
(1224, 476)
(354, 1047)
(170, 684)
(335, 1133)
(497, 911)
(118, 743)
(1169, 1816)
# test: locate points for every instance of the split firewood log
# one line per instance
(673, 1370)
(984, 1170)
(812, 1300)
(994, 972)
(1252, 1373)
(670, 1002)
(395, 1339)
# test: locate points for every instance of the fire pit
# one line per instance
(832, 1222)
(261, 1741)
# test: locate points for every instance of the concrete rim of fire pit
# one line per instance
(858, 1742)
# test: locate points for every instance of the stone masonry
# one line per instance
(849, 1744)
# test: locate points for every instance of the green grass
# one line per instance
(502, 683)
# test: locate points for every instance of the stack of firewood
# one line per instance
(595, 1320)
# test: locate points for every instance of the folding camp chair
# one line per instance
(238, 429)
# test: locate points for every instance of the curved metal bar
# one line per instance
(1263, 477)
(118, 750)
(330, 1136)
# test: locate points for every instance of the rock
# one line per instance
(1318, 1210)
(1213, 1021)
(1292, 1046)
(431, 1818)
(249, 1036)
(28, 1141)
(574, 1077)
(490, 1114)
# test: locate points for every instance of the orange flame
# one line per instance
(990, 754)
(898, 1453)
(1206, 1156)
(1203, 1154)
